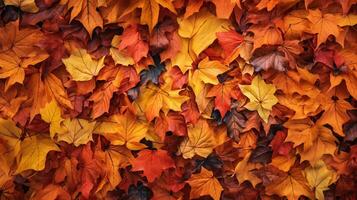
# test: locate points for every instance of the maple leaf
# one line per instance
(124, 130)
(292, 185)
(243, 171)
(319, 178)
(133, 42)
(223, 94)
(154, 98)
(115, 157)
(296, 23)
(193, 31)
(261, 96)
(200, 141)
(76, 131)
(21, 42)
(81, 66)
(204, 183)
(335, 114)
(85, 12)
(10, 136)
(13, 67)
(51, 113)
(34, 147)
(318, 140)
(323, 24)
(266, 35)
(150, 11)
(207, 71)
(24, 5)
(234, 45)
(273, 60)
(152, 162)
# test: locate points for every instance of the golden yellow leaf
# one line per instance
(200, 141)
(33, 153)
(319, 178)
(51, 113)
(124, 130)
(76, 131)
(207, 71)
(204, 183)
(195, 28)
(261, 96)
(153, 99)
(10, 134)
(81, 65)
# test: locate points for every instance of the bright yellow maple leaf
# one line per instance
(81, 66)
(76, 131)
(204, 183)
(200, 141)
(33, 152)
(319, 178)
(261, 96)
(125, 130)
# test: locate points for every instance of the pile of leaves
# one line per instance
(178, 99)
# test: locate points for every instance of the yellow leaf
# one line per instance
(33, 153)
(319, 178)
(207, 71)
(25, 5)
(76, 131)
(51, 113)
(195, 28)
(10, 134)
(124, 130)
(183, 58)
(200, 141)
(243, 171)
(261, 96)
(152, 99)
(81, 65)
(204, 183)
